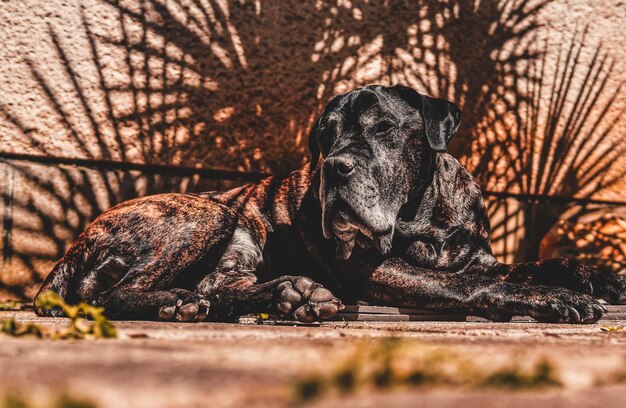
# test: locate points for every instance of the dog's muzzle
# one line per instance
(340, 220)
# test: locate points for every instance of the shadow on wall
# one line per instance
(238, 85)
(566, 145)
(264, 70)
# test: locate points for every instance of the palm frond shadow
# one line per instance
(485, 42)
(567, 142)
(198, 85)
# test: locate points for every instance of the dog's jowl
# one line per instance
(381, 214)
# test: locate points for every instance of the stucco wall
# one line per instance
(237, 85)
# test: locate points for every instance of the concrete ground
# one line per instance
(236, 365)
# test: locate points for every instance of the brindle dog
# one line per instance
(387, 217)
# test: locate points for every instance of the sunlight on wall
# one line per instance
(239, 84)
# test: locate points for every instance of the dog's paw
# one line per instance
(610, 287)
(52, 312)
(306, 301)
(193, 309)
(565, 306)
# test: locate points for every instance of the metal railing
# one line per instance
(234, 175)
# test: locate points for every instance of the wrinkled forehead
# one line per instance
(365, 106)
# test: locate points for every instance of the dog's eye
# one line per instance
(325, 124)
(383, 127)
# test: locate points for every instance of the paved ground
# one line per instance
(232, 365)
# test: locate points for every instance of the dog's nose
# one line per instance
(342, 166)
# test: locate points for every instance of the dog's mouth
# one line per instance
(349, 230)
(354, 223)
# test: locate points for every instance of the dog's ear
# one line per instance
(441, 117)
(313, 144)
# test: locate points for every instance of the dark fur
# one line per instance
(387, 217)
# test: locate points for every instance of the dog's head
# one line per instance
(378, 144)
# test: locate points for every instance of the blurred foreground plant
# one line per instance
(540, 376)
(63, 400)
(86, 321)
(396, 363)
(15, 329)
(10, 305)
(617, 376)
(79, 327)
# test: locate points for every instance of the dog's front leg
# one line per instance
(232, 288)
(292, 297)
(567, 273)
(395, 282)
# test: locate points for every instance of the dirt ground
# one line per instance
(238, 365)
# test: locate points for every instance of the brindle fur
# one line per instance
(386, 217)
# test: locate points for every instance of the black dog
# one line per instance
(387, 217)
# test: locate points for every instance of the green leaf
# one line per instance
(79, 315)
(15, 329)
(10, 305)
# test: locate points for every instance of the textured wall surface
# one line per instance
(237, 85)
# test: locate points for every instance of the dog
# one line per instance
(382, 214)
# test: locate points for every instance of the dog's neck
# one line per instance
(416, 193)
